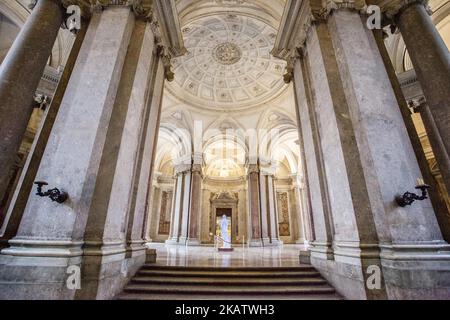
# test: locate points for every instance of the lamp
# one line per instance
(408, 198)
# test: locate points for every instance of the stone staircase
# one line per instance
(155, 282)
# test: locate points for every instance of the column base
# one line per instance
(416, 271)
(172, 242)
(255, 243)
(62, 270)
(193, 242)
(276, 243)
(323, 250)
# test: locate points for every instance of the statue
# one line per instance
(224, 231)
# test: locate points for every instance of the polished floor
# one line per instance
(283, 256)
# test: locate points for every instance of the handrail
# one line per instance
(216, 236)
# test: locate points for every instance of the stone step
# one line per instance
(220, 281)
(303, 296)
(157, 282)
(226, 269)
(226, 290)
(228, 274)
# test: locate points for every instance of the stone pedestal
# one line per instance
(305, 257)
(20, 73)
(150, 255)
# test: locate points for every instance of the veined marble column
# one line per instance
(195, 205)
(265, 209)
(186, 207)
(442, 159)
(143, 171)
(369, 161)
(20, 73)
(312, 149)
(26, 182)
(176, 208)
(436, 200)
(76, 160)
(154, 205)
(302, 221)
(431, 60)
(269, 216)
(255, 239)
(180, 210)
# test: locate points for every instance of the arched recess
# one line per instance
(279, 139)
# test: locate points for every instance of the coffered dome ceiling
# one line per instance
(228, 65)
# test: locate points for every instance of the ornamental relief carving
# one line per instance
(227, 53)
(284, 226)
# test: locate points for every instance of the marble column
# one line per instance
(369, 161)
(182, 240)
(431, 60)
(305, 213)
(242, 215)
(437, 144)
(269, 216)
(195, 206)
(148, 126)
(300, 220)
(176, 209)
(314, 163)
(264, 207)
(181, 205)
(436, 200)
(255, 239)
(25, 184)
(152, 221)
(80, 158)
(20, 73)
(436, 140)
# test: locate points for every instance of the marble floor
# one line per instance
(283, 256)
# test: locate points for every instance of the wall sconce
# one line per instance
(54, 194)
(408, 197)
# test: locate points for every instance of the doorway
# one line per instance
(219, 213)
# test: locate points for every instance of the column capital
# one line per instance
(182, 168)
(391, 8)
(417, 104)
(252, 168)
(197, 168)
(267, 167)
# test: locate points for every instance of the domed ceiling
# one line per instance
(228, 66)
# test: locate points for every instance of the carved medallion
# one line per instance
(227, 53)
